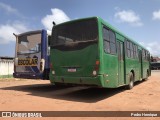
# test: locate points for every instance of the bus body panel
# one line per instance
(45, 55)
(90, 81)
(31, 45)
(121, 63)
(82, 61)
(121, 59)
(145, 69)
(114, 69)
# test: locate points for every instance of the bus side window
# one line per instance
(143, 54)
(106, 40)
(128, 49)
(136, 51)
(112, 42)
(146, 55)
(131, 50)
(149, 57)
(109, 40)
(140, 55)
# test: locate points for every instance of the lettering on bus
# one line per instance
(28, 62)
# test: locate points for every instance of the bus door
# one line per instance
(120, 50)
(140, 64)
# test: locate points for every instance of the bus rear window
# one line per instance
(29, 43)
(75, 32)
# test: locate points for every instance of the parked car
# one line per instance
(155, 65)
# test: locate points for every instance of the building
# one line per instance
(155, 59)
(6, 67)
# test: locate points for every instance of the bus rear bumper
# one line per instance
(27, 75)
(89, 81)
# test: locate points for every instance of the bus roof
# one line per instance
(108, 25)
(34, 31)
(117, 31)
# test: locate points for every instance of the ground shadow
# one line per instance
(79, 94)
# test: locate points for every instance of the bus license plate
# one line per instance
(72, 70)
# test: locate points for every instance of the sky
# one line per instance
(138, 19)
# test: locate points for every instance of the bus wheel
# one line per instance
(147, 75)
(131, 81)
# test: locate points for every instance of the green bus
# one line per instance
(90, 51)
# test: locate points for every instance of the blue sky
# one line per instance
(138, 19)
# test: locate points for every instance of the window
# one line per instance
(106, 46)
(109, 41)
(131, 49)
(75, 35)
(128, 49)
(135, 53)
(105, 34)
(29, 43)
(112, 42)
(148, 57)
(144, 54)
(106, 40)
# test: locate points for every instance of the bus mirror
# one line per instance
(54, 23)
(14, 34)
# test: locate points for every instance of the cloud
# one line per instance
(156, 15)
(153, 47)
(58, 16)
(7, 30)
(8, 8)
(129, 17)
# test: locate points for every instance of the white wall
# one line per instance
(6, 67)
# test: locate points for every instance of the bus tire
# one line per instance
(131, 81)
(147, 75)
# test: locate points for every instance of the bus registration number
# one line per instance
(72, 70)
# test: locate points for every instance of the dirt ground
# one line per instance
(39, 95)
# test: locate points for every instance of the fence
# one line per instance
(6, 67)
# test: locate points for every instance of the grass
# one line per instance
(6, 76)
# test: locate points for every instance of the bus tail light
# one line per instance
(51, 67)
(42, 63)
(96, 68)
(97, 65)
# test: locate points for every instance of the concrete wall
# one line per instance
(6, 67)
